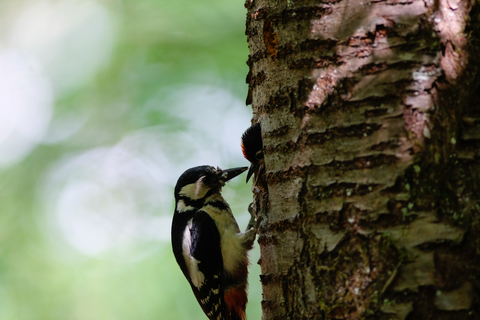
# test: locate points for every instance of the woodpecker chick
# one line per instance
(252, 147)
(208, 245)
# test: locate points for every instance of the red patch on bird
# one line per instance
(244, 152)
(252, 142)
(236, 300)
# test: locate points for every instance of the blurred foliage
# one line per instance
(158, 48)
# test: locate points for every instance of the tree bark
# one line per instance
(370, 118)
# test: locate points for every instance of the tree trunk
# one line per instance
(370, 118)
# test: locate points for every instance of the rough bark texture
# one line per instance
(370, 119)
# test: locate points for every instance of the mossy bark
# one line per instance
(370, 115)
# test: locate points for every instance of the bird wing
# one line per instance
(203, 257)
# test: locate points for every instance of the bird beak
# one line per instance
(254, 167)
(229, 174)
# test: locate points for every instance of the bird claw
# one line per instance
(251, 222)
(249, 238)
(253, 225)
(255, 221)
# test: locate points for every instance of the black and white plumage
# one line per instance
(208, 245)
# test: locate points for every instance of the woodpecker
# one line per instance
(252, 147)
(207, 242)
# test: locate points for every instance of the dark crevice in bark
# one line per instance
(343, 132)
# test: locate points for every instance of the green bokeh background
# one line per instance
(157, 50)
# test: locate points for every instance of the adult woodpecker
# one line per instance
(252, 147)
(208, 245)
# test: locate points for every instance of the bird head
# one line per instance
(199, 182)
(252, 147)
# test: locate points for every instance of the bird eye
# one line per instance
(206, 180)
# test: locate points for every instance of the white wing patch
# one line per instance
(196, 276)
